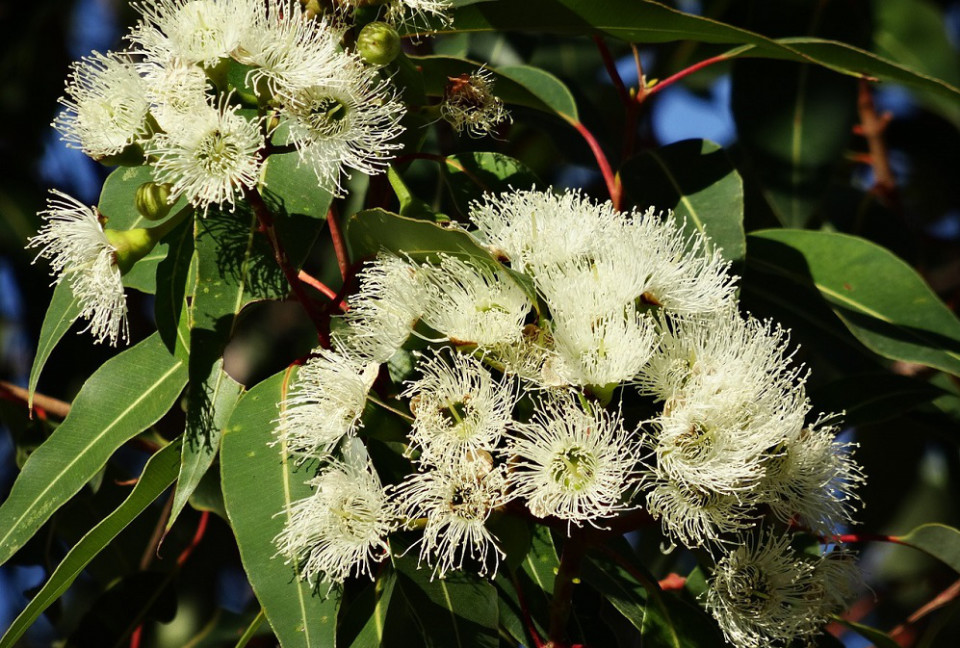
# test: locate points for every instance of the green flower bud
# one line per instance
(378, 43)
(130, 246)
(152, 200)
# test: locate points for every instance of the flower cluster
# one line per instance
(518, 365)
(205, 92)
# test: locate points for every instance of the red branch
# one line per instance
(648, 91)
(612, 181)
(197, 537)
(339, 245)
(313, 282)
(265, 219)
(611, 66)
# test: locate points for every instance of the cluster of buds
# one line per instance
(519, 367)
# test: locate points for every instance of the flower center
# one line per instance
(327, 115)
(574, 468)
(217, 152)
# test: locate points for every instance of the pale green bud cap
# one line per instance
(152, 200)
(378, 43)
(130, 245)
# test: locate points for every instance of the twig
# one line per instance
(525, 611)
(612, 181)
(339, 245)
(265, 219)
(611, 67)
(197, 537)
(153, 546)
(313, 282)
(51, 405)
(630, 106)
(940, 600)
(872, 127)
(648, 91)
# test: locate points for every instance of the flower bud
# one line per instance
(130, 246)
(152, 200)
(378, 43)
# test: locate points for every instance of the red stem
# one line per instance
(135, 637)
(527, 619)
(612, 181)
(611, 66)
(197, 537)
(855, 538)
(313, 282)
(679, 75)
(339, 245)
(267, 227)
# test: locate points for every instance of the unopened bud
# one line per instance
(152, 200)
(378, 43)
(130, 246)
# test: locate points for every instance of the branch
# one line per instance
(315, 283)
(339, 245)
(940, 600)
(647, 91)
(872, 127)
(612, 181)
(48, 404)
(265, 219)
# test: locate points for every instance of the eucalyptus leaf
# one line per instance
(129, 393)
(157, 475)
(260, 483)
(63, 311)
(899, 317)
(697, 180)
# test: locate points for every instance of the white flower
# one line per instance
(576, 465)
(695, 517)
(741, 361)
(107, 106)
(210, 155)
(383, 313)
(534, 229)
(470, 105)
(472, 303)
(599, 350)
(456, 500)
(73, 239)
(409, 13)
(176, 92)
(813, 478)
(192, 31)
(347, 121)
(325, 402)
(764, 593)
(340, 530)
(688, 275)
(460, 409)
(288, 49)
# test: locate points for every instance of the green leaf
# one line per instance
(293, 188)
(118, 204)
(410, 205)
(642, 21)
(458, 611)
(697, 180)
(914, 32)
(520, 85)
(129, 393)
(542, 562)
(369, 611)
(62, 312)
(157, 475)
(176, 281)
(879, 639)
(261, 481)
(881, 300)
(470, 175)
(938, 540)
(373, 230)
(870, 398)
(793, 120)
(198, 454)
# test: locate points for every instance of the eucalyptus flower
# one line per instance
(575, 464)
(73, 240)
(106, 107)
(209, 156)
(340, 530)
